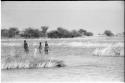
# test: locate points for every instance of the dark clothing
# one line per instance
(26, 47)
(46, 48)
(46, 51)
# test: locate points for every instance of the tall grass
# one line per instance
(111, 50)
(14, 60)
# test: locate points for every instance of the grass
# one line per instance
(14, 60)
(110, 50)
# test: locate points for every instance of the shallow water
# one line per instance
(80, 65)
(78, 68)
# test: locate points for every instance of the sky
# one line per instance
(93, 16)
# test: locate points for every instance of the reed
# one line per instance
(28, 61)
(111, 50)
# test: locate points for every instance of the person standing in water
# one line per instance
(46, 47)
(26, 49)
(46, 52)
(40, 48)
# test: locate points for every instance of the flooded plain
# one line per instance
(81, 65)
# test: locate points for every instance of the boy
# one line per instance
(26, 49)
(46, 47)
(40, 48)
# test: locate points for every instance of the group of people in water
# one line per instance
(46, 47)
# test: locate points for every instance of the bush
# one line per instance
(54, 34)
(89, 34)
(29, 32)
(43, 33)
(12, 32)
(82, 32)
(108, 33)
(63, 33)
(4, 33)
(75, 33)
(59, 33)
(35, 33)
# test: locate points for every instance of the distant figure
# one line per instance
(26, 49)
(40, 48)
(46, 47)
(35, 52)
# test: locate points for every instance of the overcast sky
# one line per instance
(93, 16)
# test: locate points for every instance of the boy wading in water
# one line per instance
(26, 49)
(46, 48)
(40, 48)
(46, 52)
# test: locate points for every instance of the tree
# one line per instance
(4, 33)
(44, 31)
(59, 33)
(63, 33)
(29, 32)
(12, 32)
(54, 34)
(82, 32)
(89, 34)
(36, 33)
(108, 33)
(75, 33)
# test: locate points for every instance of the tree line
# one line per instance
(43, 32)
